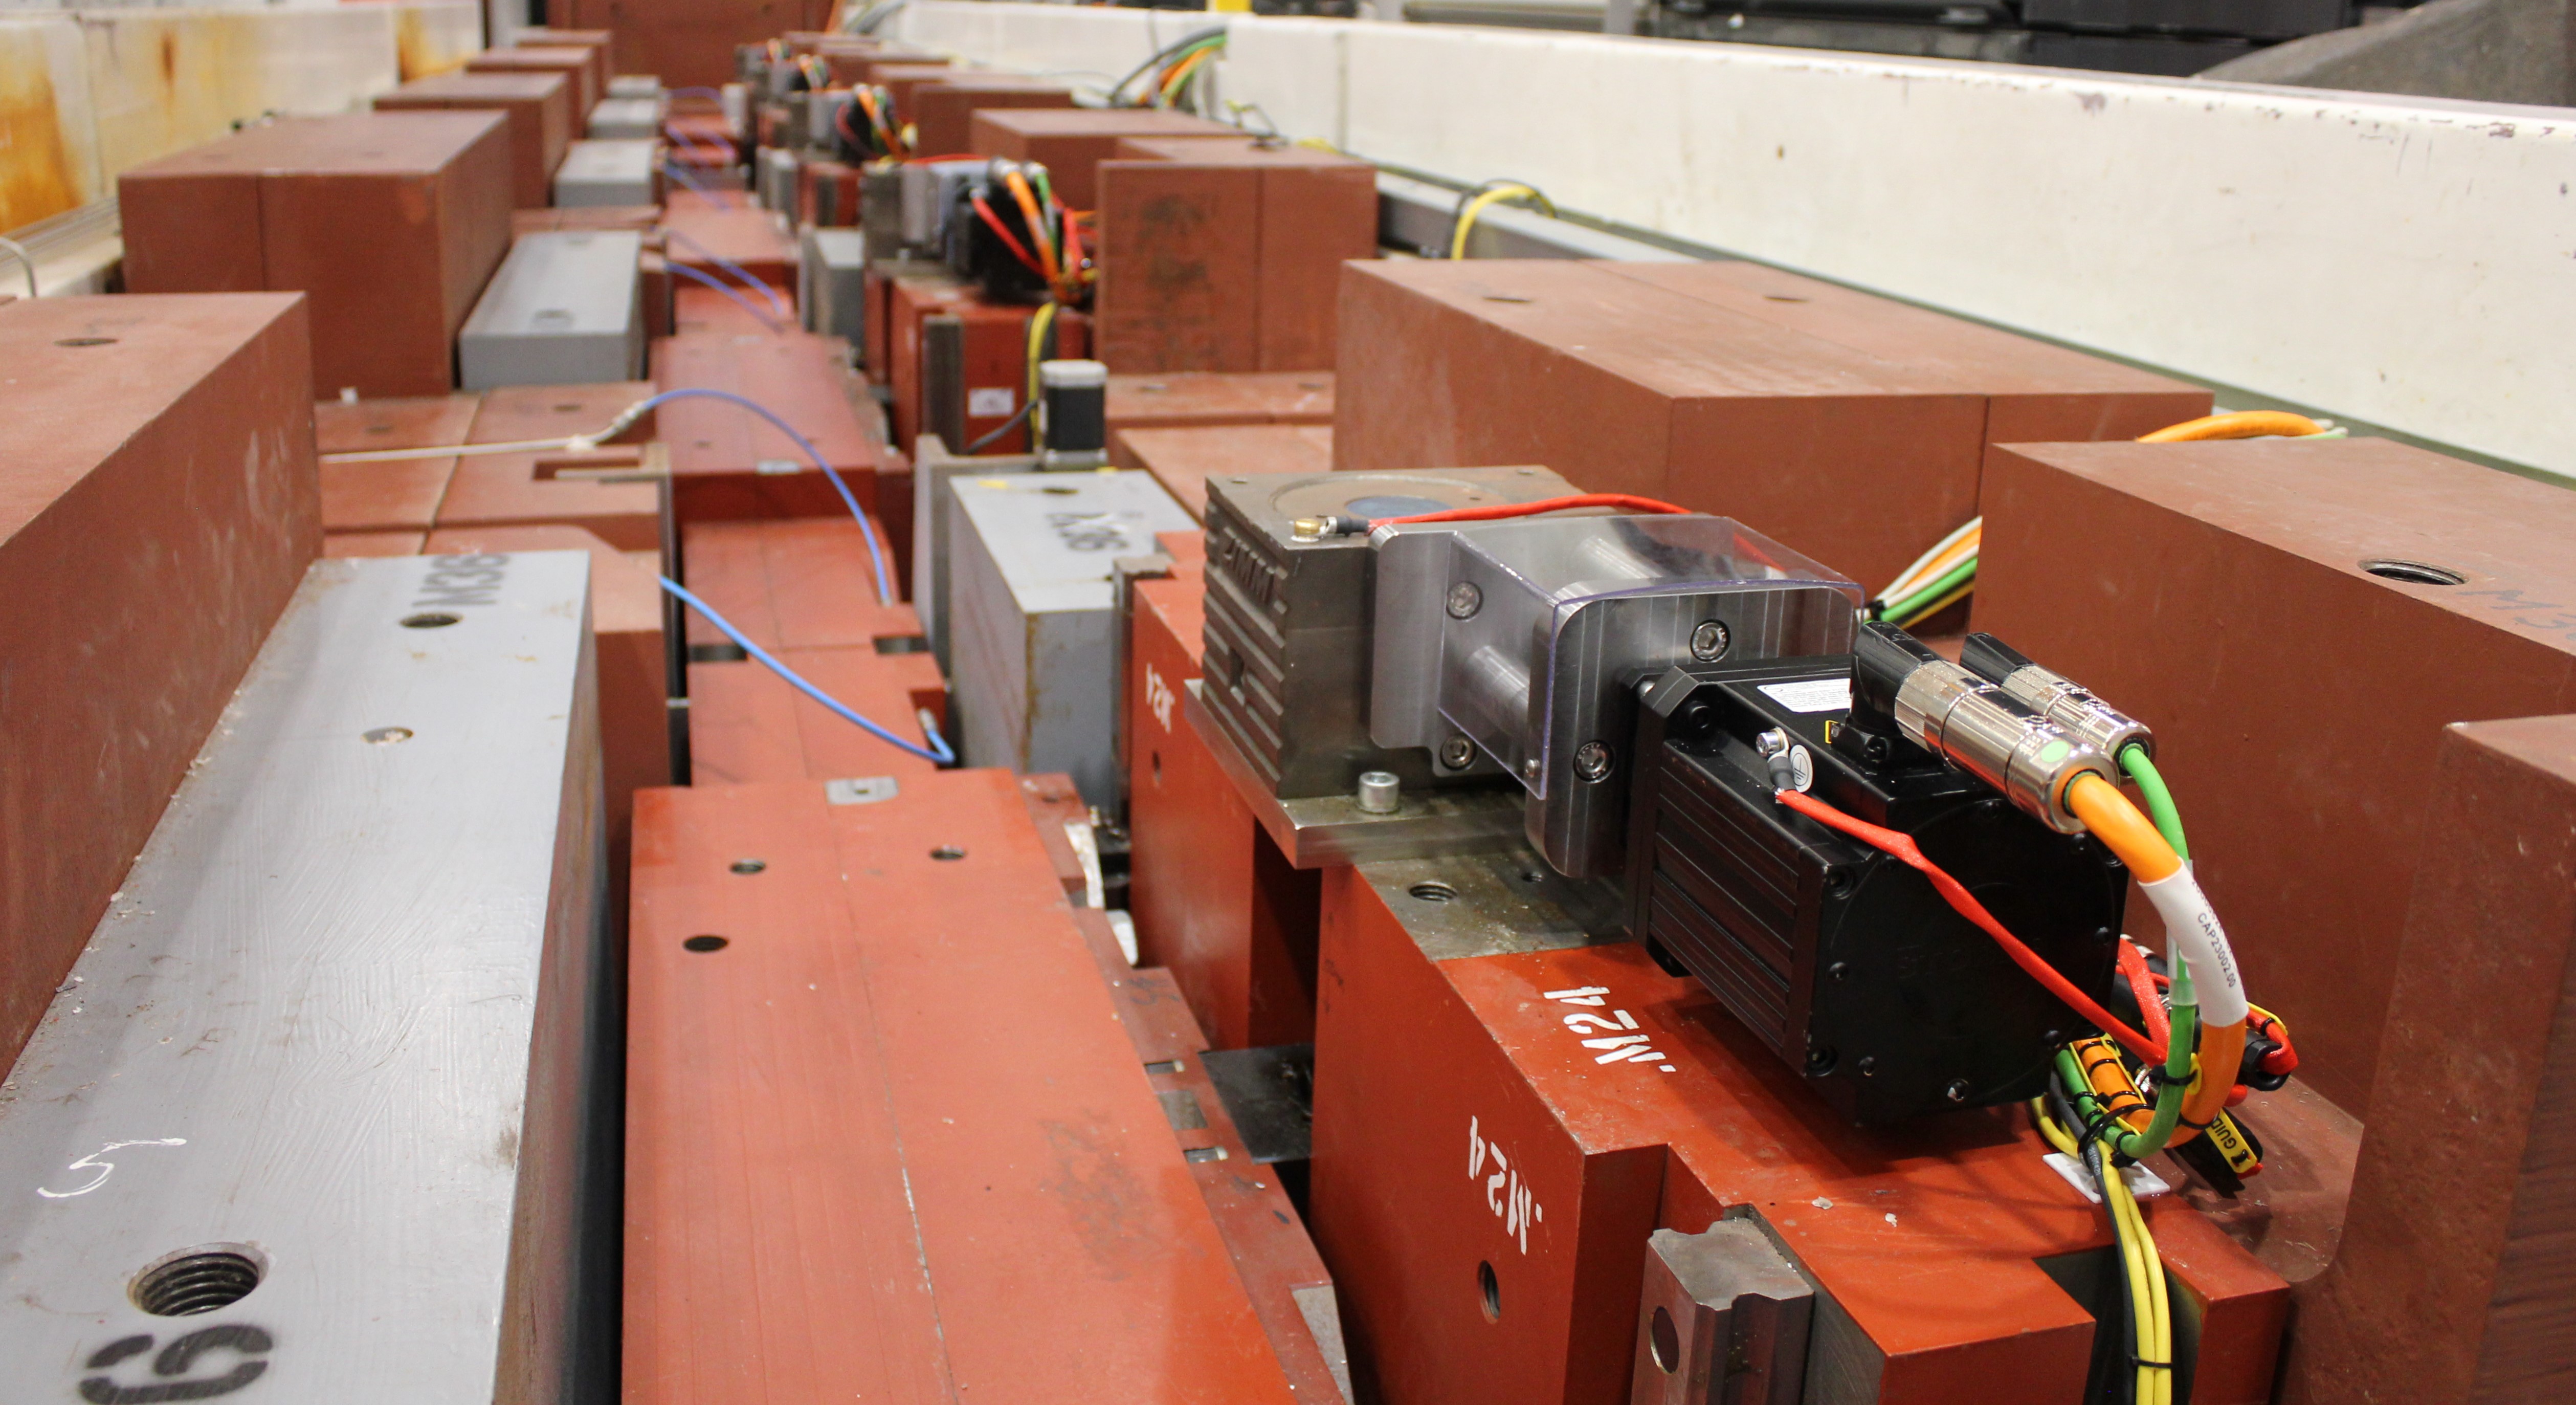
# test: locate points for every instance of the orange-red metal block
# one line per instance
(547, 487)
(1183, 459)
(1484, 1180)
(158, 506)
(396, 495)
(1203, 399)
(729, 463)
(580, 64)
(885, 1138)
(1072, 142)
(539, 109)
(390, 222)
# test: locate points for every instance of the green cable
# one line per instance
(2170, 1091)
(1955, 577)
(2160, 805)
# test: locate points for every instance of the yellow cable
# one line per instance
(2154, 1310)
(2245, 424)
(1512, 190)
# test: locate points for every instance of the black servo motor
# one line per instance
(1841, 957)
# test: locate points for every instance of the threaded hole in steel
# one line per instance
(750, 866)
(948, 853)
(86, 341)
(195, 1281)
(1666, 1340)
(1489, 1292)
(431, 619)
(706, 942)
(2414, 573)
(1433, 892)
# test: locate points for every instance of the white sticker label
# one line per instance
(987, 402)
(1812, 695)
(2143, 1183)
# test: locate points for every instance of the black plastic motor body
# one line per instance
(1843, 959)
(978, 252)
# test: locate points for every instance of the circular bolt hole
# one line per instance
(2414, 573)
(431, 619)
(948, 853)
(1505, 297)
(750, 866)
(572, 409)
(387, 736)
(197, 1280)
(705, 942)
(1780, 297)
(1433, 892)
(1057, 490)
(1821, 1059)
(1489, 1292)
(1667, 1341)
(86, 341)
(1465, 600)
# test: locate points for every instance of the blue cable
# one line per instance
(937, 752)
(674, 172)
(776, 303)
(725, 288)
(876, 554)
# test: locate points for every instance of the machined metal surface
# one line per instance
(607, 173)
(831, 277)
(1321, 831)
(564, 309)
(2061, 700)
(1545, 625)
(1032, 611)
(338, 1024)
(1975, 725)
(1723, 1320)
(1289, 616)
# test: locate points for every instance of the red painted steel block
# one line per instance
(706, 236)
(546, 488)
(1850, 428)
(600, 42)
(942, 112)
(884, 1134)
(539, 108)
(2222, 593)
(729, 463)
(804, 590)
(1072, 142)
(158, 506)
(1484, 1180)
(995, 364)
(579, 63)
(1226, 256)
(389, 222)
(1213, 898)
(1183, 460)
(1196, 399)
(397, 495)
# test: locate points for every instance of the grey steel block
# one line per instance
(565, 309)
(608, 173)
(626, 119)
(1031, 635)
(830, 282)
(328, 1077)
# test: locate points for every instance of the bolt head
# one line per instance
(1457, 753)
(1957, 1091)
(1709, 642)
(1465, 600)
(1592, 761)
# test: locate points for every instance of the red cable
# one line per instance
(1623, 501)
(2142, 984)
(1891, 842)
(996, 222)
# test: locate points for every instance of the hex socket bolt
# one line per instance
(2061, 700)
(1974, 725)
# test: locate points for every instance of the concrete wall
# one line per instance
(2401, 261)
